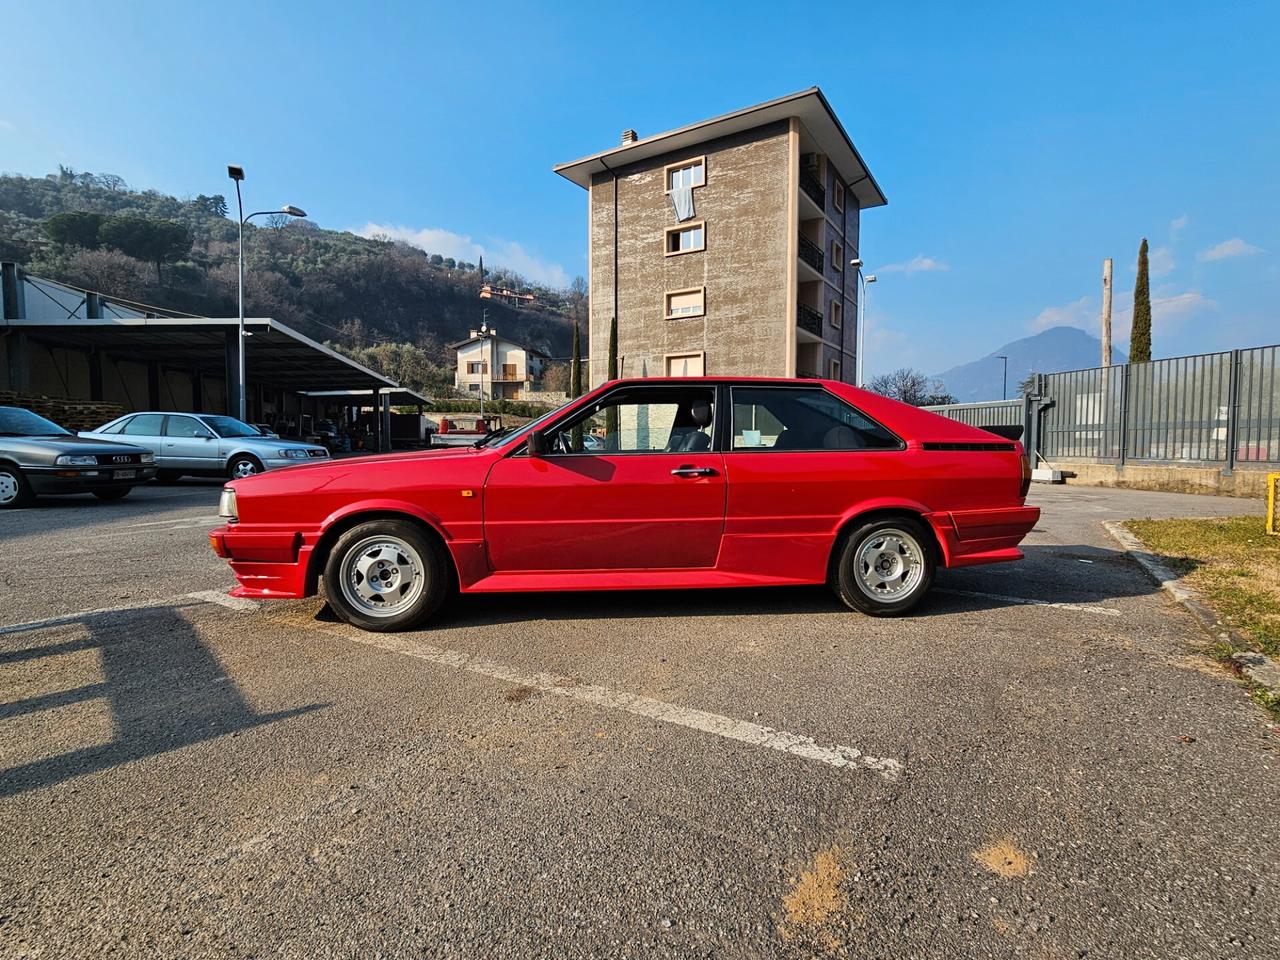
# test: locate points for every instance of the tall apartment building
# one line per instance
(723, 247)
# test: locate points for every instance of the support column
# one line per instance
(233, 373)
(386, 423)
(12, 302)
(19, 368)
(197, 391)
(95, 374)
(377, 419)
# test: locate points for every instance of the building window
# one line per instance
(477, 367)
(835, 370)
(473, 387)
(836, 311)
(686, 303)
(508, 371)
(685, 365)
(690, 173)
(837, 196)
(688, 239)
(837, 255)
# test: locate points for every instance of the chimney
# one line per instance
(628, 136)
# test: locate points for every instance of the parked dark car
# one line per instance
(39, 457)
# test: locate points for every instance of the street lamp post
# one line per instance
(863, 279)
(1004, 378)
(236, 173)
(490, 337)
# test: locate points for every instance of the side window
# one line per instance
(115, 427)
(185, 427)
(651, 420)
(144, 425)
(785, 418)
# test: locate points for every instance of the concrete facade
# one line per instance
(779, 297)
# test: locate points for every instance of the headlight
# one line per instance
(227, 505)
(294, 454)
(76, 460)
(148, 458)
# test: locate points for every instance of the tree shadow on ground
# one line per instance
(164, 687)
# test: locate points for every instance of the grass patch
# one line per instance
(1233, 564)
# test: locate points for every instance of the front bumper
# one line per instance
(57, 480)
(270, 564)
(971, 537)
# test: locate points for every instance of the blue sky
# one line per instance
(1018, 145)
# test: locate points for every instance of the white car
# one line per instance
(206, 444)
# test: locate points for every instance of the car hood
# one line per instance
(318, 472)
(45, 449)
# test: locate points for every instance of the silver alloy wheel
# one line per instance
(382, 576)
(243, 468)
(8, 488)
(889, 565)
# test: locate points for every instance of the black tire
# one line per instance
(113, 493)
(14, 490)
(386, 548)
(909, 560)
(243, 465)
(168, 476)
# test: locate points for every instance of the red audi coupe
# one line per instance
(643, 484)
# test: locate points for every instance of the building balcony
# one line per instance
(812, 186)
(811, 253)
(809, 319)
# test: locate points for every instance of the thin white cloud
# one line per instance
(1078, 313)
(1235, 247)
(1168, 311)
(460, 246)
(1179, 224)
(1160, 262)
(6, 126)
(917, 264)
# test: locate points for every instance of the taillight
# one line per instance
(1026, 475)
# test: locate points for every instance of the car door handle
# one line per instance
(688, 471)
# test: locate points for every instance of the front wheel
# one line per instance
(884, 567)
(242, 465)
(14, 489)
(386, 575)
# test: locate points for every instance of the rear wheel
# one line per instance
(386, 575)
(112, 493)
(14, 489)
(242, 465)
(884, 567)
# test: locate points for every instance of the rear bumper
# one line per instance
(271, 564)
(971, 537)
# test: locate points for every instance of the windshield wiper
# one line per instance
(489, 437)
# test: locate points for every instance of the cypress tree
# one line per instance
(613, 348)
(1140, 335)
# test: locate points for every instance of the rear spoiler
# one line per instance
(1006, 431)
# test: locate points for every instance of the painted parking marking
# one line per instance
(217, 597)
(212, 518)
(223, 599)
(743, 731)
(1027, 601)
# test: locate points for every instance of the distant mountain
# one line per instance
(1058, 348)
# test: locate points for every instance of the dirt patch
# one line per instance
(815, 901)
(1004, 859)
(521, 693)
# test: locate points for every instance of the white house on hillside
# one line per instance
(497, 368)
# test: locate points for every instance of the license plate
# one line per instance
(125, 474)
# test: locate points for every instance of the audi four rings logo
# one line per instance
(123, 458)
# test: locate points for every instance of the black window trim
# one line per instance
(816, 388)
(522, 449)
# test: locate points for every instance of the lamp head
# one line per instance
(235, 171)
(856, 263)
(293, 211)
(870, 279)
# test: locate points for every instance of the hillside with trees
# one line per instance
(393, 306)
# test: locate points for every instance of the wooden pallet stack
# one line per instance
(74, 415)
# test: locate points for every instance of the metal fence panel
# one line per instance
(1005, 413)
(1178, 409)
(1258, 396)
(1083, 421)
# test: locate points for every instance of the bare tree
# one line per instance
(910, 386)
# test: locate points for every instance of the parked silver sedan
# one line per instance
(205, 444)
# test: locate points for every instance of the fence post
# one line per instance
(1233, 411)
(1124, 414)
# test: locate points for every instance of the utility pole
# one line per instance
(1106, 312)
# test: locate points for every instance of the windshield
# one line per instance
(502, 438)
(231, 427)
(16, 422)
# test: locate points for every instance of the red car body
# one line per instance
(515, 522)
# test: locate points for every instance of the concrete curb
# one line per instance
(1258, 667)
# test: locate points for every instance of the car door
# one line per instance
(189, 444)
(147, 431)
(797, 459)
(631, 482)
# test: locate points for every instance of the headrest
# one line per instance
(700, 411)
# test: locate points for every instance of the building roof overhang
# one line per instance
(275, 354)
(810, 106)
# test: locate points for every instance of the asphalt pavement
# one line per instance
(1040, 763)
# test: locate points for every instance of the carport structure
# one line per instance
(59, 341)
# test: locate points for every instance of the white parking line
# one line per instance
(212, 518)
(836, 755)
(223, 599)
(1081, 607)
(203, 596)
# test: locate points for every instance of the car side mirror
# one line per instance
(537, 444)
